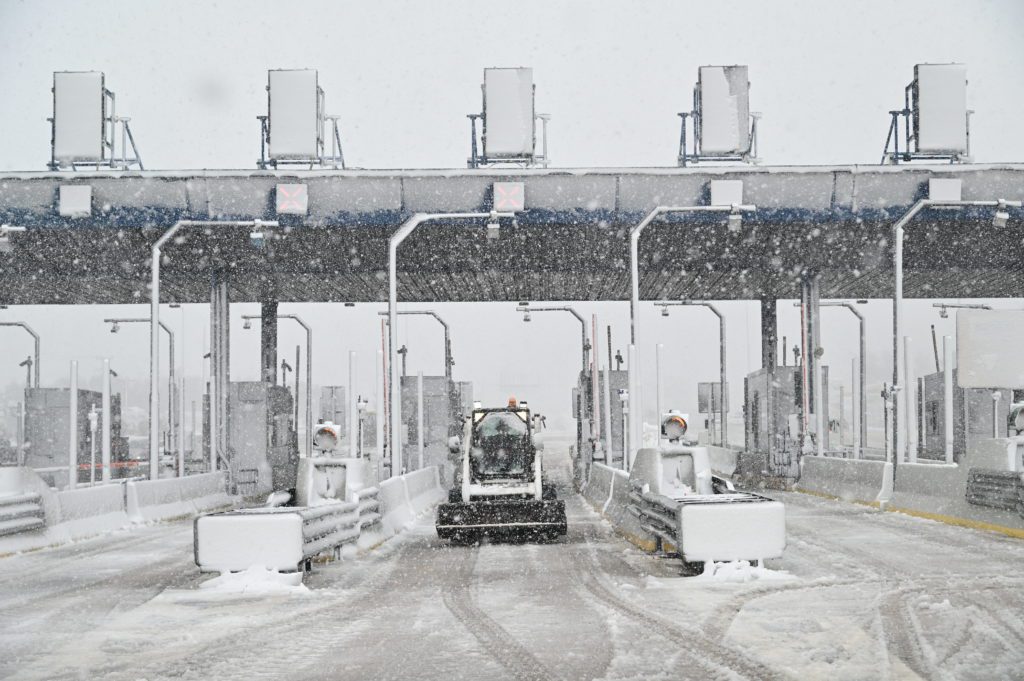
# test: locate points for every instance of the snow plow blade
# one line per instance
(506, 517)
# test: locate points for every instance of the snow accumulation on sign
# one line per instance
(508, 112)
(78, 116)
(941, 108)
(293, 114)
(724, 109)
(988, 348)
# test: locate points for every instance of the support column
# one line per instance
(268, 341)
(769, 334)
(778, 462)
(220, 362)
(810, 342)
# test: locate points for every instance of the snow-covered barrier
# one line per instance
(966, 493)
(675, 497)
(858, 480)
(599, 486)
(404, 497)
(149, 500)
(984, 490)
(281, 538)
(86, 511)
(608, 491)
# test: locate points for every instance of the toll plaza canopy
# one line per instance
(570, 243)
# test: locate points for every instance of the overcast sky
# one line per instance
(402, 76)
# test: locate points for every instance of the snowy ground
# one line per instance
(858, 595)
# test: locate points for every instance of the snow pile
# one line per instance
(740, 571)
(257, 580)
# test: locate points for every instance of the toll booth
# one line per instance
(48, 434)
(263, 451)
(334, 406)
(976, 416)
(772, 407)
(443, 405)
(583, 403)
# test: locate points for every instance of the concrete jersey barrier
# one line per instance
(405, 497)
(149, 500)
(859, 480)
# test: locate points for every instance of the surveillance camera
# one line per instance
(257, 239)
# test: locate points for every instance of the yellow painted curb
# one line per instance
(872, 504)
(962, 522)
(1017, 533)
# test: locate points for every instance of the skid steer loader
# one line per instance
(500, 489)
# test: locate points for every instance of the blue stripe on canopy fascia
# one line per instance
(155, 217)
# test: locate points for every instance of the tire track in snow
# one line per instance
(458, 598)
(718, 661)
(284, 642)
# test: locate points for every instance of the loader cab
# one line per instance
(502, 447)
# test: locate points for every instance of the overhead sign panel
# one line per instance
(292, 199)
(509, 197)
(77, 116)
(294, 114)
(508, 112)
(723, 100)
(988, 348)
(940, 108)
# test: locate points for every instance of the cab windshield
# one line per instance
(501, 446)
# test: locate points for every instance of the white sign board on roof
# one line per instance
(724, 109)
(508, 112)
(988, 348)
(294, 115)
(940, 110)
(77, 116)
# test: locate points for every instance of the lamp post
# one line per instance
(154, 420)
(448, 361)
(154, 319)
(723, 429)
(584, 342)
(1000, 219)
(860, 423)
(394, 242)
(735, 212)
(309, 372)
(35, 352)
(585, 354)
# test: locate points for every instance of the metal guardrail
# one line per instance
(368, 500)
(659, 515)
(328, 527)
(996, 489)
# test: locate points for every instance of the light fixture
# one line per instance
(5, 237)
(115, 327)
(735, 222)
(493, 227)
(526, 316)
(350, 304)
(1001, 217)
(247, 324)
(943, 311)
(664, 310)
